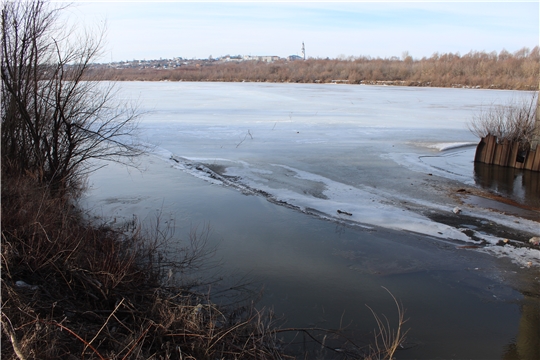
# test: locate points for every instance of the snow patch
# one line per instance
(360, 205)
(451, 146)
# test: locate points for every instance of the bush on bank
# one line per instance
(514, 121)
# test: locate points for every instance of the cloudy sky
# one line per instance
(166, 29)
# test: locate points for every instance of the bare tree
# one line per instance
(56, 116)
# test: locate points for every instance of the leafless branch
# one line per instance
(56, 116)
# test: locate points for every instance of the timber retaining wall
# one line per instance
(506, 153)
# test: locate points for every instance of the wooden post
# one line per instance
(490, 149)
(536, 135)
(505, 149)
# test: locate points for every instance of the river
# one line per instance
(326, 195)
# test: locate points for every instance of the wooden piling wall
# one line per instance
(507, 153)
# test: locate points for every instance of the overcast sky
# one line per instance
(167, 29)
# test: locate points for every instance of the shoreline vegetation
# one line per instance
(75, 288)
(477, 69)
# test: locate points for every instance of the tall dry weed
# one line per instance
(74, 290)
(513, 121)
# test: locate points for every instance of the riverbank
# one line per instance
(72, 288)
(387, 155)
(479, 70)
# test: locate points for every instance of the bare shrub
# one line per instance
(70, 288)
(517, 71)
(55, 117)
(513, 121)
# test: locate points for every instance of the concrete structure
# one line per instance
(270, 58)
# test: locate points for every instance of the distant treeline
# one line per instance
(504, 70)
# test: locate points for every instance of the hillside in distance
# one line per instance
(477, 69)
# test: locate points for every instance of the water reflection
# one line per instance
(522, 186)
(527, 344)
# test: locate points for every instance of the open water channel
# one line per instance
(324, 194)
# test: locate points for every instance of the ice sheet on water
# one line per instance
(366, 151)
(363, 206)
(455, 165)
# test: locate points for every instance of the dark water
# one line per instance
(366, 150)
(460, 303)
(519, 185)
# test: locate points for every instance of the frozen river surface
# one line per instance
(372, 156)
(352, 183)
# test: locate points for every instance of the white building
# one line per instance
(271, 58)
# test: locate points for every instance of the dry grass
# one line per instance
(73, 290)
(388, 339)
(513, 121)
